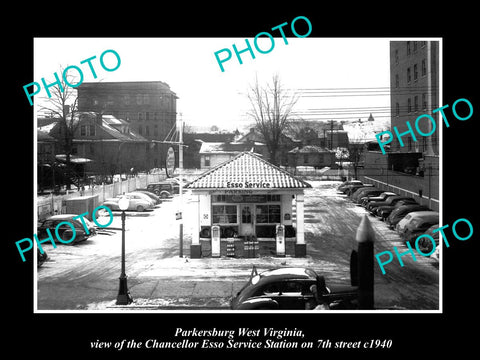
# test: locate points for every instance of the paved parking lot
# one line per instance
(85, 276)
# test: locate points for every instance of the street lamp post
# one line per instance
(123, 297)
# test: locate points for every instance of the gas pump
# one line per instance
(215, 241)
(280, 240)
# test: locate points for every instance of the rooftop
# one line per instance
(245, 168)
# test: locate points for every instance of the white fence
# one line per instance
(55, 204)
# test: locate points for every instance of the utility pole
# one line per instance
(180, 177)
(331, 134)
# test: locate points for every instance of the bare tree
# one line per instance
(63, 105)
(271, 109)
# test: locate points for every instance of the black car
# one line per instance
(390, 201)
(382, 197)
(162, 189)
(399, 213)
(384, 211)
(361, 193)
(290, 288)
(65, 231)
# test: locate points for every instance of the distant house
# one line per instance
(215, 153)
(193, 142)
(108, 143)
(286, 144)
(311, 155)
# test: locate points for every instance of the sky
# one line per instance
(317, 69)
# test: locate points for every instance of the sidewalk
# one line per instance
(191, 284)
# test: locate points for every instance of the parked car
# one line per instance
(151, 195)
(343, 185)
(399, 213)
(350, 189)
(385, 210)
(389, 201)
(382, 197)
(290, 288)
(135, 204)
(65, 231)
(41, 258)
(416, 221)
(360, 193)
(163, 189)
(425, 245)
(138, 194)
(175, 181)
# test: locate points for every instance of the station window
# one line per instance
(224, 214)
(268, 214)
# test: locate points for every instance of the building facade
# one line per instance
(414, 84)
(245, 209)
(150, 108)
(411, 169)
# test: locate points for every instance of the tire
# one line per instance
(140, 208)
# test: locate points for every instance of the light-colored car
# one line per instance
(135, 204)
(137, 194)
(413, 222)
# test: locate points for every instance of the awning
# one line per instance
(73, 159)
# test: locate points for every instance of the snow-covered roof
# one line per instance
(247, 168)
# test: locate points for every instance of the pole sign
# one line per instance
(170, 162)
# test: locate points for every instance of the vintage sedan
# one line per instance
(385, 210)
(344, 185)
(399, 213)
(290, 288)
(382, 197)
(151, 195)
(415, 222)
(418, 224)
(65, 231)
(136, 203)
(361, 193)
(390, 201)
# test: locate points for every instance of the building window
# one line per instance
(140, 130)
(409, 75)
(156, 116)
(424, 68)
(424, 101)
(409, 105)
(83, 130)
(396, 56)
(126, 99)
(415, 72)
(415, 103)
(146, 99)
(268, 214)
(127, 115)
(397, 109)
(92, 130)
(414, 47)
(224, 214)
(408, 48)
(155, 130)
(139, 99)
(305, 158)
(397, 81)
(140, 116)
(207, 160)
(147, 130)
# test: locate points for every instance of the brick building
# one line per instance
(149, 107)
(411, 169)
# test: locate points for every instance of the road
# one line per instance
(85, 276)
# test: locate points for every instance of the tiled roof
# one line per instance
(249, 170)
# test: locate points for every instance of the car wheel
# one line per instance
(140, 208)
(164, 195)
(425, 246)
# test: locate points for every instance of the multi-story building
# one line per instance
(148, 106)
(414, 79)
(414, 87)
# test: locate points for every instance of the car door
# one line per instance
(288, 294)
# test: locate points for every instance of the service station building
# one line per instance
(245, 208)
